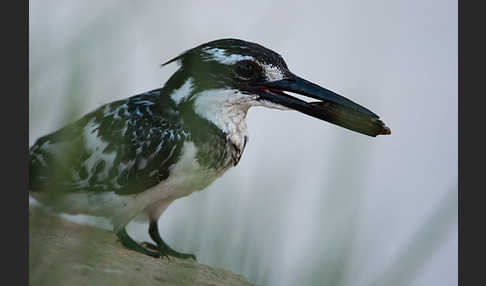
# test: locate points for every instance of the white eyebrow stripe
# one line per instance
(219, 55)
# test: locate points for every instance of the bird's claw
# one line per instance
(165, 253)
(150, 245)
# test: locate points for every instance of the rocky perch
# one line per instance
(65, 253)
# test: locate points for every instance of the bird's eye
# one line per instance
(248, 69)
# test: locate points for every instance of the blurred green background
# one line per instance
(309, 203)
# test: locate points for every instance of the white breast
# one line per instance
(187, 176)
(226, 109)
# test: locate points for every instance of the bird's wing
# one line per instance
(126, 146)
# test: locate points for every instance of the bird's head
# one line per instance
(245, 74)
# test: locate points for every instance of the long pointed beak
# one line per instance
(331, 107)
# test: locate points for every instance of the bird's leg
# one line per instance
(161, 246)
(129, 243)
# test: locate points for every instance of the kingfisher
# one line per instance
(134, 157)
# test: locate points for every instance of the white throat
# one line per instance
(227, 110)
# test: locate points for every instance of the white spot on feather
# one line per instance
(220, 56)
(95, 146)
(142, 163)
(183, 92)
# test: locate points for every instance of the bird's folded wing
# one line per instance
(126, 146)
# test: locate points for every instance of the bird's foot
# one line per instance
(152, 246)
(129, 243)
(168, 252)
